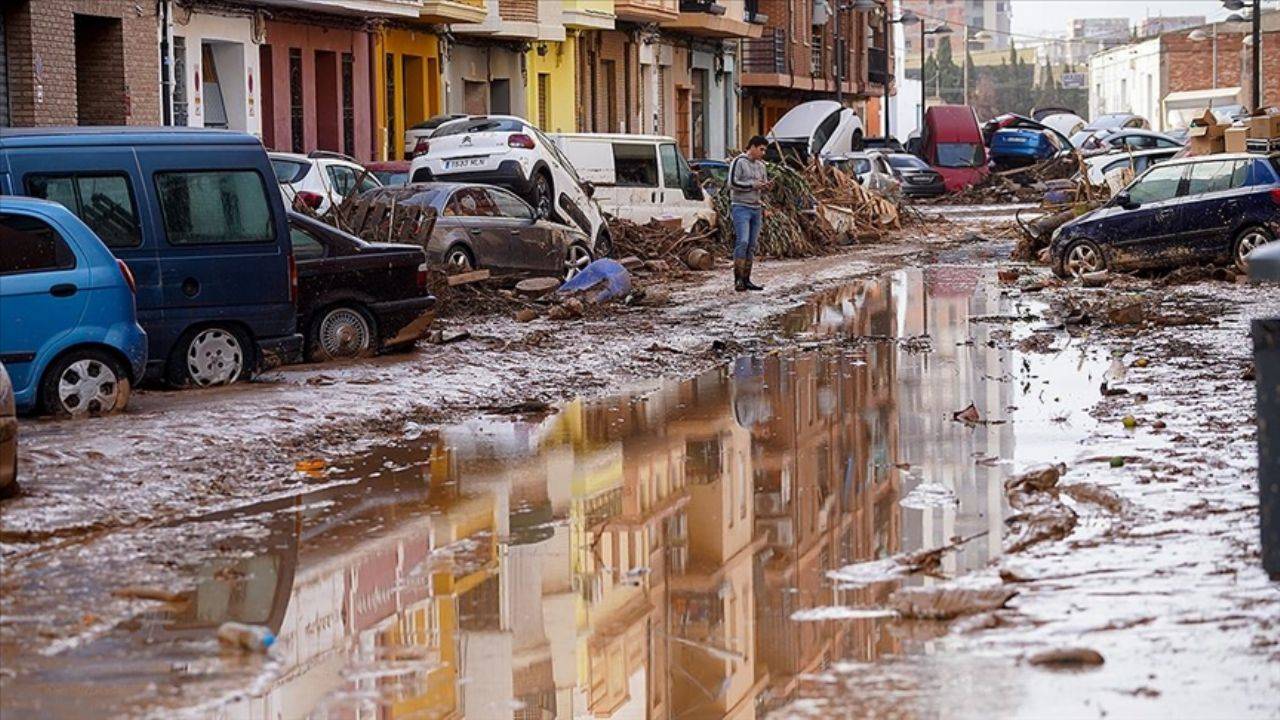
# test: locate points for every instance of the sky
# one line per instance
(1036, 17)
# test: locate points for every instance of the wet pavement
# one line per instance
(653, 554)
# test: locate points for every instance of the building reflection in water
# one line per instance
(640, 556)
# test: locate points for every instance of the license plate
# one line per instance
(463, 163)
(1016, 139)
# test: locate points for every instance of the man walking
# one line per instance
(747, 180)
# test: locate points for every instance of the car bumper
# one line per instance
(508, 174)
(277, 351)
(930, 190)
(394, 315)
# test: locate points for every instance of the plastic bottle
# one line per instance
(253, 638)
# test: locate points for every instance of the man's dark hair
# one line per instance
(757, 141)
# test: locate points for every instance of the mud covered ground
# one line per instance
(1158, 573)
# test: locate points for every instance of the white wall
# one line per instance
(237, 68)
(1128, 79)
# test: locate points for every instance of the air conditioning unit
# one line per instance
(821, 12)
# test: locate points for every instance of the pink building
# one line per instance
(315, 89)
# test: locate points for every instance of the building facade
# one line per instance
(994, 16)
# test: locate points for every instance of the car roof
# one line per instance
(1219, 156)
(616, 136)
(1121, 154)
(26, 202)
(82, 136)
(299, 157)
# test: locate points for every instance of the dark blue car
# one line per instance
(1212, 208)
(198, 217)
(1020, 146)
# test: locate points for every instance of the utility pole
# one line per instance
(1257, 54)
(839, 79)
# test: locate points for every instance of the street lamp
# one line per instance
(942, 29)
(907, 18)
(1255, 6)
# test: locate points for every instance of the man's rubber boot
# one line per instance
(739, 276)
(746, 276)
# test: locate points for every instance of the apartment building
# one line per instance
(994, 16)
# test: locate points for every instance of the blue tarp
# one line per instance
(601, 281)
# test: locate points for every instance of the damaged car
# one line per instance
(1206, 209)
(354, 297)
(485, 226)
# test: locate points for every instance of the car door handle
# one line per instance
(475, 231)
(63, 290)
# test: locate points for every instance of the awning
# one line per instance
(1180, 108)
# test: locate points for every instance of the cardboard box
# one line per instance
(1206, 126)
(1265, 124)
(1206, 145)
(1235, 139)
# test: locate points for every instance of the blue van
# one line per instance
(198, 217)
(71, 340)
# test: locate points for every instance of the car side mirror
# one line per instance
(589, 188)
(1126, 202)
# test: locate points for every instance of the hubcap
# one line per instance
(214, 358)
(1083, 259)
(344, 333)
(544, 198)
(577, 259)
(1250, 242)
(87, 386)
(459, 260)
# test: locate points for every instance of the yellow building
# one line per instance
(407, 85)
(553, 84)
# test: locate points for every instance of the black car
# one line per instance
(917, 178)
(883, 144)
(1208, 208)
(355, 297)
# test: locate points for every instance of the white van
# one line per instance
(638, 177)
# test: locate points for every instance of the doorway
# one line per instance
(100, 87)
(682, 118)
(473, 97)
(500, 96)
(328, 134)
(698, 109)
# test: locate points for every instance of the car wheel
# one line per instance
(459, 260)
(1083, 257)
(344, 331)
(210, 356)
(604, 243)
(86, 382)
(543, 196)
(1250, 239)
(576, 258)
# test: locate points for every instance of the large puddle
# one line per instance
(640, 556)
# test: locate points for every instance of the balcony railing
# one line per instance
(766, 54)
(878, 66)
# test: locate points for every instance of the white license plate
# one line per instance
(463, 163)
(1017, 139)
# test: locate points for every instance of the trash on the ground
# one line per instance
(250, 638)
(1129, 421)
(1067, 657)
(1041, 515)
(467, 278)
(968, 415)
(441, 337)
(1117, 462)
(601, 281)
(537, 287)
(142, 592)
(698, 259)
(948, 601)
(524, 315)
(566, 310)
(1095, 279)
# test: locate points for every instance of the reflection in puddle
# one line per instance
(642, 556)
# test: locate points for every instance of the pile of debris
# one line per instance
(666, 241)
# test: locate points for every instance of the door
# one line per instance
(683, 129)
(530, 244)
(473, 211)
(1142, 235)
(1213, 204)
(44, 288)
(680, 193)
(220, 229)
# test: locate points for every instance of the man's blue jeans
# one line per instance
(747, 222)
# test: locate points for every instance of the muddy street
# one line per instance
(810, 503)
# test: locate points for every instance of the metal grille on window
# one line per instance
(390, 73)
(544, 101)
(180, 117)
(815, 52)
(348, 104)
(295, 100)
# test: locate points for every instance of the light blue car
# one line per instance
(70, 338)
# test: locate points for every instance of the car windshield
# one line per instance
(289, 171)
(908, 162)
(479, 125)
(391, 178)
(959, 155)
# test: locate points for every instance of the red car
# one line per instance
(952, 144)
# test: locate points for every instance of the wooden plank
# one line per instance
(468, 277)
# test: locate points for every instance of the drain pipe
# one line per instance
(1264, 266)
(166, 61)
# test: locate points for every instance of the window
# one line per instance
(1207, 177)
(958, 155)
(1166, 143)
(214, 207)
(289, 171)
(670, 167)
(908, 162)
(471, 202)
(1137, 142)
(544, 100)
(815, 51)
(305, 245)
(635, 165)
(480, 125)
(509, 205)
(103, 202)
(31, 245)
(295, 100)
(342, 179)
(348, 104)
(1159, 184)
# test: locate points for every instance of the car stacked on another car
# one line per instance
(485, 226)
(1212, 208)
(510, 152)
(71, 342)
(321, 179)
(355, 297)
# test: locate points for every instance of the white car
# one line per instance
(417, 138)
(821, 128)
(871, 169)
(1101, 166)
(508, 151)
(320, 179)
(1105, 141)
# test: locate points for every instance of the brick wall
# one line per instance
(120, 83)
(518, 10)
(608, 46)
(1189, 64)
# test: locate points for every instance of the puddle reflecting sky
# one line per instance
(640, 556)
